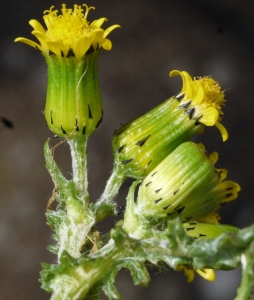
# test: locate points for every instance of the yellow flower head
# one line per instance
(202, 98)
(69, 33)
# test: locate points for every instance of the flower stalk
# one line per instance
(73, 218)
(78, 148)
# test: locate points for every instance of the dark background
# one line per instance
(202, 37)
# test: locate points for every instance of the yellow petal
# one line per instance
(108, 30)
(42, 39)
(197, 92)
(97, 38)
(187, 80)
(222, 130)
(208, 274)
(28, 42)
(212, 218)
(98, 23)
(82, 45)
(210, 116)
(223, 173)
(107, 45)
(189, 273)
(214, 157)
(230, 190)
(37, 26)
(57, 48)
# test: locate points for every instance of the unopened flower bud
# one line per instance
(185, 184)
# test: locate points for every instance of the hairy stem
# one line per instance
(79, 166)
(79, 279)
(105, 205)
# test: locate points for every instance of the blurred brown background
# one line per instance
(202, 37)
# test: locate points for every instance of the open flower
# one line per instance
(69, 33)
(202, 99)
(141, 144)
(71, 47)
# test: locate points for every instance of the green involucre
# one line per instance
(142, 144)
(73, 106)
(180, 185)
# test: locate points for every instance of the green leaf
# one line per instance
(91, 273)
(138, 272)
(58, 178)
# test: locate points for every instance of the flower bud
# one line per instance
(185, 184)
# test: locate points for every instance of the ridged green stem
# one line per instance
(78, 149)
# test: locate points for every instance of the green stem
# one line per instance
(83, 278)
(105, 205)
(246, 290)
(79, 167)
(76, 282)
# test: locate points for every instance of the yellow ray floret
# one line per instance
(69, 32)
(212, 218)
(207, 274)
(204, 96)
